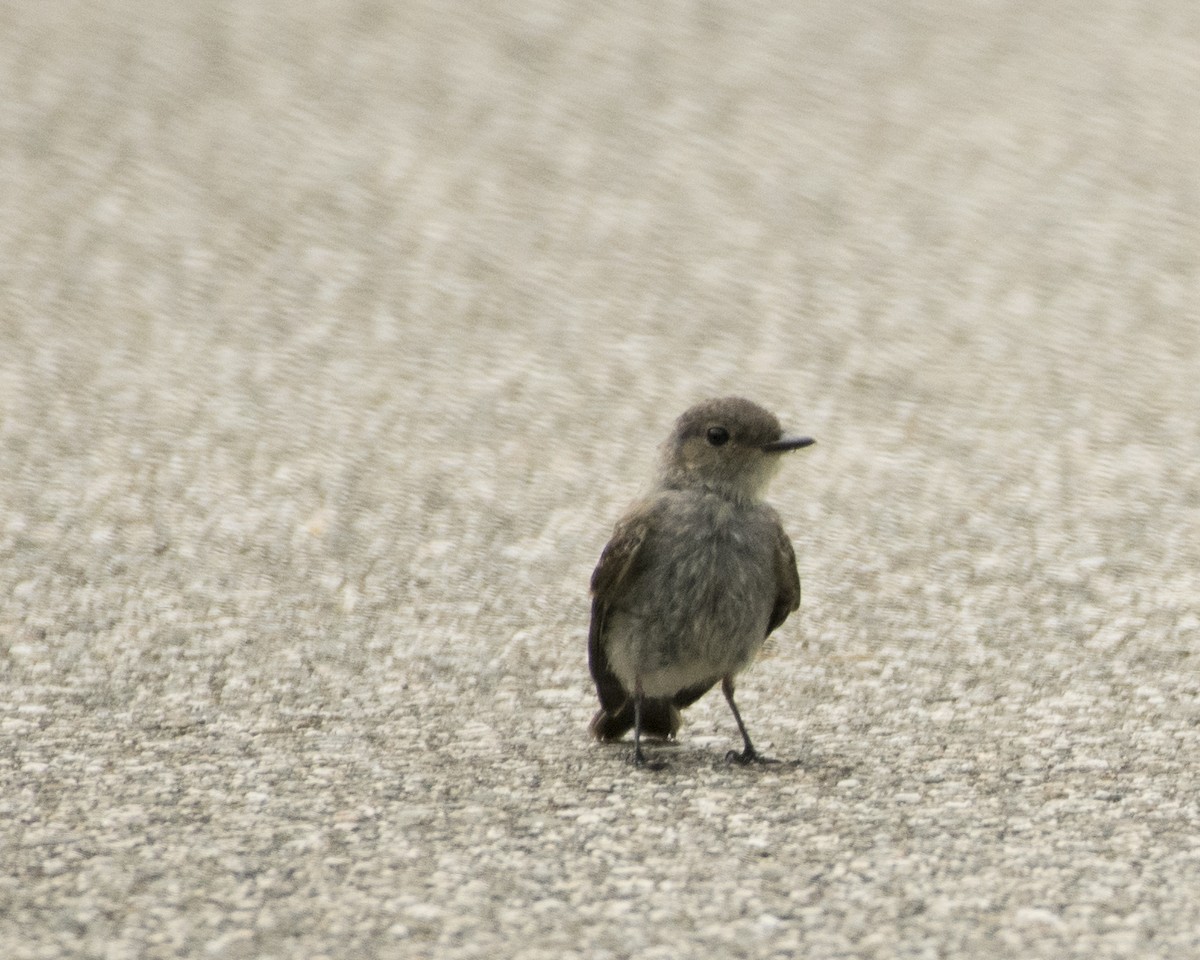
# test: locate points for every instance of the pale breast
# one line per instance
(698, 606)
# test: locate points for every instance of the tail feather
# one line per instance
(660, 720)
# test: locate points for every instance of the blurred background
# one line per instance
(334, 338)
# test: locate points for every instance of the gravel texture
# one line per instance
(335, 336)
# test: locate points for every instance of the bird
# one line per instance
(695, 577)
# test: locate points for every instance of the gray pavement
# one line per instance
(333, 339)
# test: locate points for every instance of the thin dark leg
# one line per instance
(748, 754)
(639, 759)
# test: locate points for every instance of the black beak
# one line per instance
(783, 444)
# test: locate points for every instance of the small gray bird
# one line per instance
(695, 577)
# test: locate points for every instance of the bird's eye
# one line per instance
(718, 436)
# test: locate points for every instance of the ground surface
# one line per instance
(334, 337)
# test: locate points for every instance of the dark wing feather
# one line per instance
(610, 575)
(618, 563)
(787, 580)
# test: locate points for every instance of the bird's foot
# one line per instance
(747, 757)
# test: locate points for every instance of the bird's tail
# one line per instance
(660, 720)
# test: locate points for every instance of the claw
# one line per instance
(747, 757)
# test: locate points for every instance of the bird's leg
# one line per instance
(639, 758)
(749, 754)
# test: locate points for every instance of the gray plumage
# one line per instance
(695, 577)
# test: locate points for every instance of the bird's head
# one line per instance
(729, 446)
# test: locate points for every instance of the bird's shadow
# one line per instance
(671, 756)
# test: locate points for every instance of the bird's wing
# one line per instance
(787, 579)
(617, 560)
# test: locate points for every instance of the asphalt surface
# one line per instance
(334, 338)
